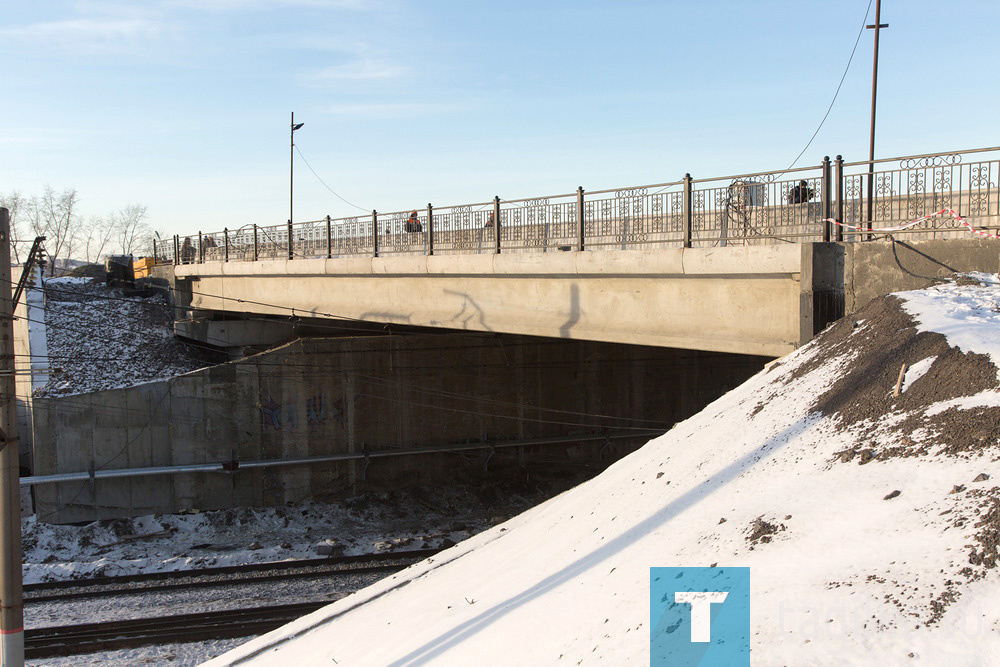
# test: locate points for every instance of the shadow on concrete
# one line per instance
(469, 312)
(932, 260)
(438, 646)
(574, 311)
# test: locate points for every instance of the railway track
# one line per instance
(93, 637)
(79, 639)
(222, 576)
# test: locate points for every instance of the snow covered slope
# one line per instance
(870, 521)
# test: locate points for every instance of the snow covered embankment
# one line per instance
(99, 339)
(870, 521)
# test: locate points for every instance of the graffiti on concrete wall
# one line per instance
(318, 411)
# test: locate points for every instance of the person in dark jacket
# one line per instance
(413, 223)
(800, 193)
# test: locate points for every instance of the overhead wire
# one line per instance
(839, 85)
(297, 150)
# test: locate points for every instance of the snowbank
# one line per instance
(870, 521)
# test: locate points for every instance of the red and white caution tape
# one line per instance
(912, 223)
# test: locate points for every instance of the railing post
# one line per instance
(329, 239)
(688, 206)
(256, 244)
(580, 217)
(826, 209)
(177, 249)
(496, 221)
(374, 233)
(839, 178)
(291, 253)
(225, 243)
(430, 229)
(201, 249)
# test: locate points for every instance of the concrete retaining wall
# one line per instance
(325, 396)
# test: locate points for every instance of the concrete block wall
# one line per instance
(315, 397)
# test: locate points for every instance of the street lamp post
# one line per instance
(291, 170)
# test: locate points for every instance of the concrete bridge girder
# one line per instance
(744, 300)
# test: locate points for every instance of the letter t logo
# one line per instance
(701, 611)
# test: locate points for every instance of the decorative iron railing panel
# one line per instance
(901, 190)
(791, 206)
(634, 217)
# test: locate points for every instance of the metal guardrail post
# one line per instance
(291, 252)
(177, 249)
(225, 242)
(329, 239)
(580, 217)
(839, 178)
(687, 205)
(201, 248)
(256, 243)
(374, 233)
(496, 220)
(430, 229)
(827, 212)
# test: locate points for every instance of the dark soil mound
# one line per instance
(882, 338)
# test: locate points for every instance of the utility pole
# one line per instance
(871, 137)
(11, 601)
(291, 171)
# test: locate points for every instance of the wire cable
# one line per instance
(837, 92)
(325, 185)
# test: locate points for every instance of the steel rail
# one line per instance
(343, 562)
(76, 639)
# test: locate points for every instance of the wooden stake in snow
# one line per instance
(899, 382)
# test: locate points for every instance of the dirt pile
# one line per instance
(930, 415)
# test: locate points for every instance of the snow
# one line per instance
(916, 371)
(97, 338)
(34, 299)
(853, 574)
(399, 521)
(967, 314)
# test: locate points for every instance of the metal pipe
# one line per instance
(496, 223)
(329, 240)
(688, 211)
(234, 466)
(430, 229)
(839, 180)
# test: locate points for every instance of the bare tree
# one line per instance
(131, 229)
(54, 216)
(95, 236)
(14, 203)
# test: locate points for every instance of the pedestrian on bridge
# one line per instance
(413, 223)
(800, 193)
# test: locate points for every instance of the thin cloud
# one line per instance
(391, 109)
(87, 35)
(360, 70)
(239, 5)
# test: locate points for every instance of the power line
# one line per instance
(367, 210)
(837, 92)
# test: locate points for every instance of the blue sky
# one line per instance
(183, 105)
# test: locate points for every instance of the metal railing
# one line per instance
(790, 206)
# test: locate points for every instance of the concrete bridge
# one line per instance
(749, 300)
(759, 300)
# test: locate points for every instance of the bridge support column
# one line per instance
(822, 288)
